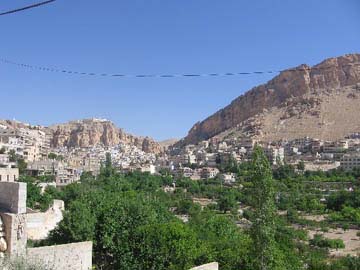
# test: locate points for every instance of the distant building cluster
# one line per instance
(63, 165)
(201, 161)
(29, 143)
(195, 161)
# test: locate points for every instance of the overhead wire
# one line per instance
(165, 75)
(26, 7)
(121, 75)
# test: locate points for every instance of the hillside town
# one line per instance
(201, 161)
(315, 154)
(180, 135)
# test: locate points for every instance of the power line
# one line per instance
(26, 7)
(119, 75)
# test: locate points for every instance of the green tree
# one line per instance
(78, 224)
(265, 252)
(12, 156)
(169, 246)
(301, 166)
(108, 169)
(33, 191)
(22, 165)
(52, 156)
(224, 241)
(227, 201)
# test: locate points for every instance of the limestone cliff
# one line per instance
(294, 91)
(90, 132)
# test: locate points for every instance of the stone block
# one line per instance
(209, 266)
(76, 256)
(13, 197)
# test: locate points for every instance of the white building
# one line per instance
(275, 154)
(209, 172)
(228, 178)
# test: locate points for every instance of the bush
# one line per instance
(320, 241)
(292, 215)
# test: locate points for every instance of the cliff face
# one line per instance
(90, 132)
(289, 85)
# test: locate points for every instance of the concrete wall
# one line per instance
(209, 266)
(40, 224)
(13, 197)
(76, 256)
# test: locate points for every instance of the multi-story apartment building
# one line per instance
(275, 154)
(62, 173)
(188, 158)
(31, 144)
(350, 161)
(336, 147)
(91, 164)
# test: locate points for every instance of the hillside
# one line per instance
(90, 132)
(320, 101)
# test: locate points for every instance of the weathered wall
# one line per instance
(40, 224)
(209, 266)
(76, 256)
(13, 197)
(15, 234)
(9, 174)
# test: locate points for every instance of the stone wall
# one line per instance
(13, 197)
(209, 266)
(9, 174)
(40, 224)
(15, 234)
(76, 256)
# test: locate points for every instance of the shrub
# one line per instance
(322, 242)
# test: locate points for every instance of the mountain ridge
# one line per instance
(295, 83)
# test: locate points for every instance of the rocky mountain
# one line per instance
(322, 101)
(89, 132)
(167, 143)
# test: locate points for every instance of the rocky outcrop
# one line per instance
(85, 133)
(90, 132)
(289, 86)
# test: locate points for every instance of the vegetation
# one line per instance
(322, 242)
(35, 198)
(265, 251)
(133, 223)
(13, 157)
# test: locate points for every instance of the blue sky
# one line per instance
(151, 37)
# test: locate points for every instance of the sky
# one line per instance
(159, 37)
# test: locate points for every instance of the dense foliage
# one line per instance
(134, 225)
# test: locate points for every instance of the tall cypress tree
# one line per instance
(265, 252)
